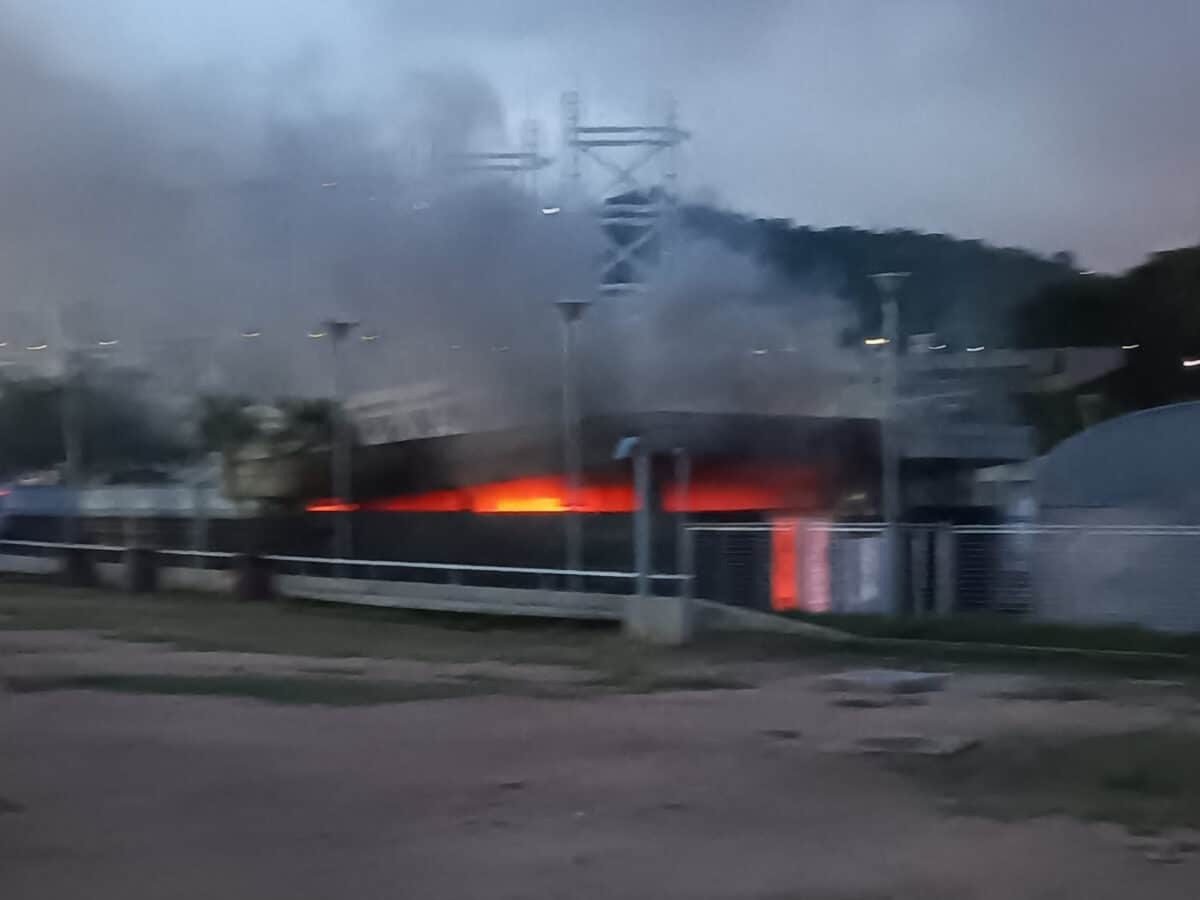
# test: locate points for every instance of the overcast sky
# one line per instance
(1053, 124)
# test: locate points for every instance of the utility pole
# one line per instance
(572, 311)
(340, 462)
(889, 284)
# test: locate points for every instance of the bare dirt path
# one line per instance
(127, 791)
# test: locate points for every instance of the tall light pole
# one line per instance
(633, 448)
(684, 550)
(889, 284)
(340, 473)
(71, 420)
(71, 412)
(572, 311)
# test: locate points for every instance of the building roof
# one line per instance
(1144, 460)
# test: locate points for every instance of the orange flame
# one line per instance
(332, 505)
(714, 489)
(799, 566)
(548, 494)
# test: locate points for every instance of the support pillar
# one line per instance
(141, 570)
(77, 568)
(254, 579)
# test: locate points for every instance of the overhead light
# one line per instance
(1191, 363)
(876, 341)
(251, 334)
(37, 346)
(974, 349)
(759, 351)
(370, 337)
(1130, 346)
(329, 184)
(551, 210)
(316, 334)
(889, 282)
(3, 344)
(938, 346)
(419, 205)
(111, 343)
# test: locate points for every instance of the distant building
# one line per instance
(1128, 492)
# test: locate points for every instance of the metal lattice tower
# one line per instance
(637, 199)
(522, 166)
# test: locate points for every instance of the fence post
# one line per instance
(687, 569)
(642, 546)
(945, 579)
(254, 578)
(78, 569)
(141, 570)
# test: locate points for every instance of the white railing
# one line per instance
(455, 573)
(57, 545)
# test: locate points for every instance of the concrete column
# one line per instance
(77, 568)
(253, 578)
(945, 577)
(141, 570)
(643, 561)
(660, 620)
(919, 574)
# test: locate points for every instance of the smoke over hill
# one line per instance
(176, 218)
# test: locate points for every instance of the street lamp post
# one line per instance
(71, 411)
(572, 311)
(889, 284)
(340, 462)
(684, 550)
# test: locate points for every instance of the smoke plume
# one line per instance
(176, 229)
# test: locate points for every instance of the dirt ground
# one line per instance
(139, 758)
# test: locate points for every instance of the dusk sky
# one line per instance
(1054, 125)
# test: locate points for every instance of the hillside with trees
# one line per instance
(965, 290)
(1153, 309)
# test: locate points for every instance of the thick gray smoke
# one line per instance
(719, 332)
(176, 223)
(176, 226)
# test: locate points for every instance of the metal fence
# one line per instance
(790, 564)
(1090, 574)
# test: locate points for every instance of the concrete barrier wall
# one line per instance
(29, 565)
(452, 597)
(181, 578)
(110, 574)
(666, 620)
